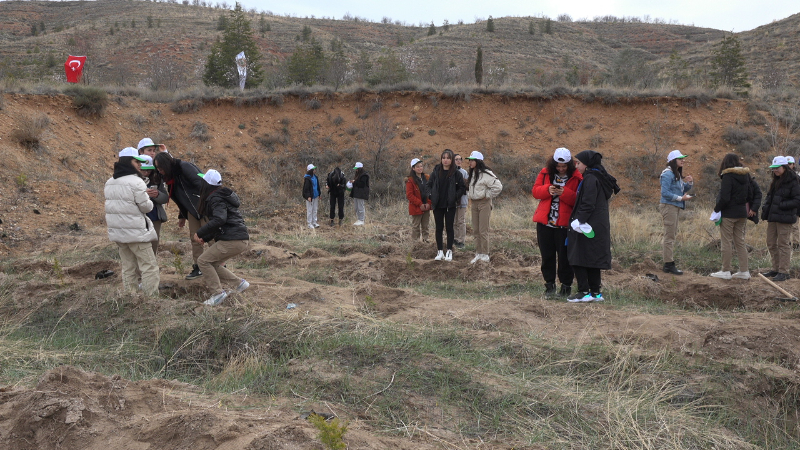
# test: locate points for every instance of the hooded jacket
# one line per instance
(185, 189)
(591, 206)
(783, 200)
(309, 182)
(361, 187)
(127, 205)
(733, 192)
(541, 191)
(225, 222)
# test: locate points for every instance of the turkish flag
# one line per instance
(74, 68)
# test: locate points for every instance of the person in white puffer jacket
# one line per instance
(483, 187)
(127, 205)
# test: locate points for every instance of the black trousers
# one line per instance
(334, 199)
(588, 279)
(553, 247)
(444, 218)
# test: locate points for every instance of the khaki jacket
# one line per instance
(487, 186)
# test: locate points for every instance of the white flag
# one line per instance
(241, 65)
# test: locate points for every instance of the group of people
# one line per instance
(447, 191)
(739, 200)
(144, 180)
(337, 184)
(573, 227)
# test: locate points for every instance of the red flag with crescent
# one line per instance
(74, 68)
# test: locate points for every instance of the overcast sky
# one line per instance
(728, 15)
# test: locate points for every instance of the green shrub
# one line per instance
(89, 101)
(330, 433)
(29, 132)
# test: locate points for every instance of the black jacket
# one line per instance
(185, 189)
(308, 187)
(455, 189)
(782, 201)
(336, 182)
(591, 207)
(225, 223)
(361, 187)
(733, 193)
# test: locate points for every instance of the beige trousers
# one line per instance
(135, 258)
(460, 231)
(779, 243)
(732, 233)
(796, 233)
(669, 214)
(212, 260)
(481, 212)
(194, 225)
(157, 227)
(419, 225)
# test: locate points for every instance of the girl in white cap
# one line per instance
(419, 200)
(674, 188)
(556, 188)
(780, 211)
(225, 226)
(483, 187)
(360, 193)
(311, 193)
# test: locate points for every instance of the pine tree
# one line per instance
(727, 65)
(307, 64)
(221, 64)
(490, 25)
(531, 28)
(431, 29)
(479, 66)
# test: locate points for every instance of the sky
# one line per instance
(727, 15)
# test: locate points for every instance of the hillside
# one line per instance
(127, 40)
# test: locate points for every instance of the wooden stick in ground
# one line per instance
(772, 283)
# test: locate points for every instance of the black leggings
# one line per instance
(337, 198)
(588, 279)
(444, 217)
(552, 246)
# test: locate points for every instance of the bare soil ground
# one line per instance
(70, 408)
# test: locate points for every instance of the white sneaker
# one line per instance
(439, 256)
(448, 256)
(721, 274)
(216, 299)
(311, 226)
(741, 275)
(485, 257)
(243, 285)
(358, 223)
(475, 259)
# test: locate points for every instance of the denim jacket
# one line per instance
(672, 189)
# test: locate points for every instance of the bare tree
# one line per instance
(378, 132)
(782, 125)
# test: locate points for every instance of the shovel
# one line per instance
(789, 297)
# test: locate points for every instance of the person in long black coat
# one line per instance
(589, 236)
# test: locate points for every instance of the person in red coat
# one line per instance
(419, 200)
(556, 187)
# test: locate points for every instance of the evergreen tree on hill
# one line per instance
(221, 64)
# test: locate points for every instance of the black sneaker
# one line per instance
(781, 277)
(195, 273)
(770, 274)
(549, 289)
(565, 290)
(459, 245)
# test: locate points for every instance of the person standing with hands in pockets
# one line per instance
(674, 188)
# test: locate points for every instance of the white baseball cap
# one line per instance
(415, 161)
(212, 177)
(358, 165)
(675, 154)
(778, 161)
(130, 151)
(790, 159)
(562, 155)
(476, 155)
(146, 142)
(310, 166)
(148, 163)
